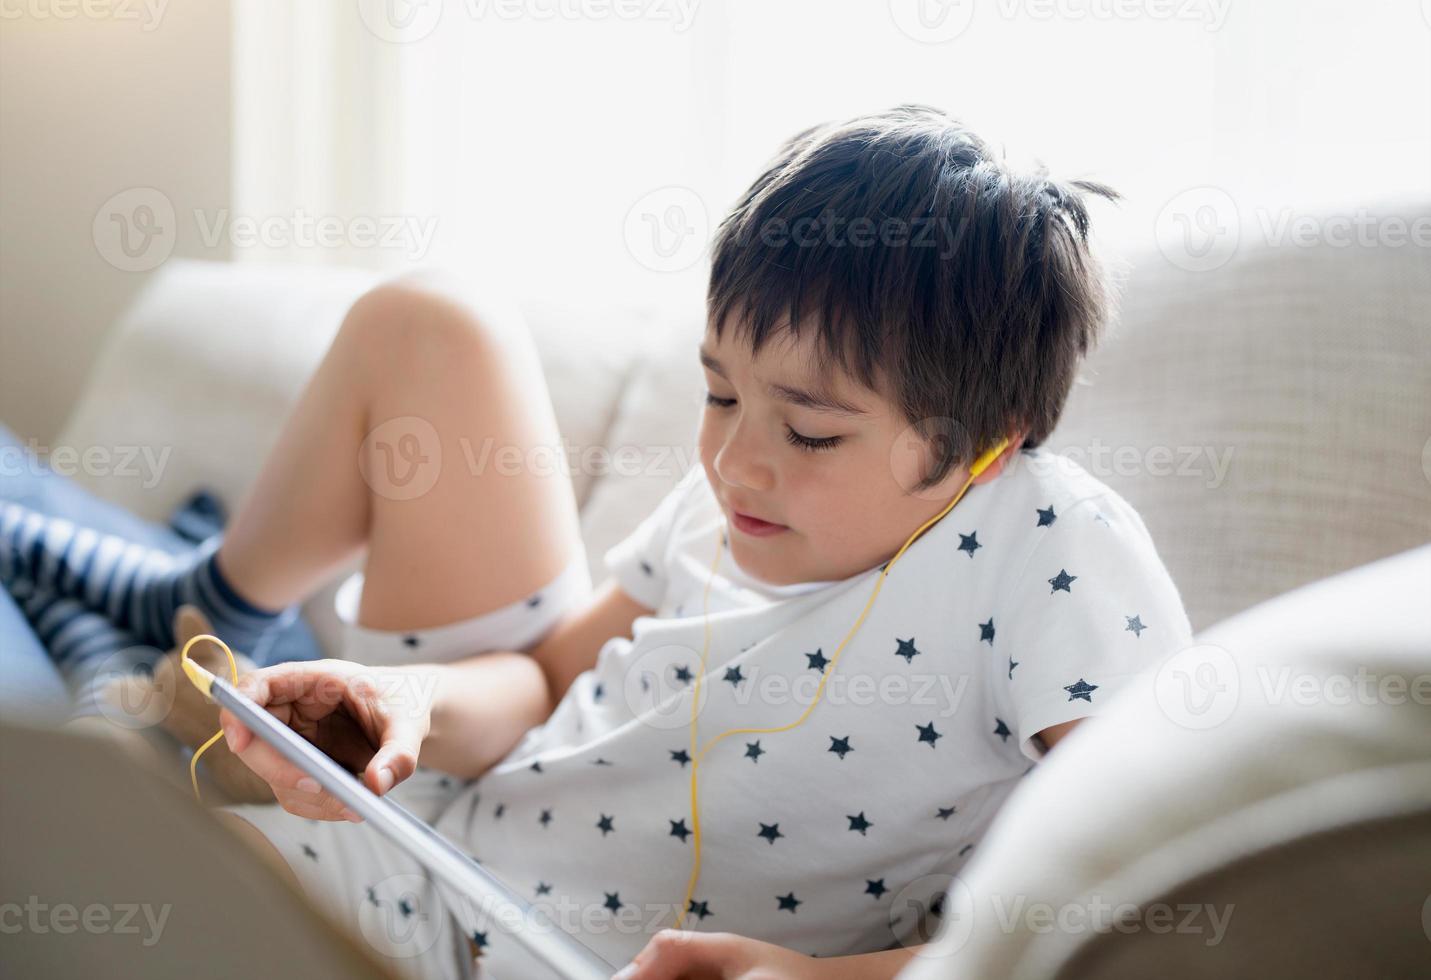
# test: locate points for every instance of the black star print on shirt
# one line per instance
(410, 641)
(683, 674)
(605, 825)
(679, 829)
(1081, 691)
(545, 818)
(788, 902)
(945, 812)
(497, 813)
(699, 909)
(1046, 516)
(875, 887)
(970, 543)
(1135, 626)
(1001, 729)
(534, 602)
(753, 751)
(840, 746)
(986, 631)
(817, 660)
(928, 734)
(479, 939)
(858, 822)
(679, 755)
(733, 675)
(770, 831)
(1062, 581)
(536, 766)
(613, 900)
(598, 692)
(1012, 664)
(308, 852)
(906, 649)
(543, 888)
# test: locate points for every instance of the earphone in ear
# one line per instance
(986, 459)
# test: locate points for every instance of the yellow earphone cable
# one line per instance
(195, 678)
(978, 467)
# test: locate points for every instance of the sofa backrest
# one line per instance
(1269, 418)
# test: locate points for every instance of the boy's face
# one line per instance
(837, 483)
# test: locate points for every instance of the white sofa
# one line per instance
(1308, 370)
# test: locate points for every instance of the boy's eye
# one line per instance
(809, 443)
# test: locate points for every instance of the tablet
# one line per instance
(516, 917)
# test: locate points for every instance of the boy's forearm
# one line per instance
(481, 708)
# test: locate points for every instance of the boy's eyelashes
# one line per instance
(808, 443)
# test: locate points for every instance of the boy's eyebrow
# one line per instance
(818, 401)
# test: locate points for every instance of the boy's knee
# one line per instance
(433, 316)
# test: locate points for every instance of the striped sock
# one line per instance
(88, 650)
(137, 589)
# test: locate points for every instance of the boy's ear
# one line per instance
(997, 466)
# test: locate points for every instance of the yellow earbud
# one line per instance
(987, 458)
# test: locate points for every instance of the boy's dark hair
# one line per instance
(962, 291)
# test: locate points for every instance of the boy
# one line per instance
(887, 302)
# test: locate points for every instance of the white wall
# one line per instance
(90, 106)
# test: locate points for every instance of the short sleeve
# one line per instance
(1092, 607)
(640, 561)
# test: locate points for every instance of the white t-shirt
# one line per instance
(1028, 605)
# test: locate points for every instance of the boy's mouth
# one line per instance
(754, 526)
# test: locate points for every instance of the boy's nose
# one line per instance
(741, 461)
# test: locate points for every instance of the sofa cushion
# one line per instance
(1270, 419)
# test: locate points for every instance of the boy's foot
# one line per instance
(191, 717)
(138, 589)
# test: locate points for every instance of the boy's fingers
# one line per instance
(267, 764)
(396, 758)
(236, 734)
(314, 806)
(671, 955)
(319, 680)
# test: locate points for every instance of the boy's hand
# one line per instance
(371, 720)
(675, 955)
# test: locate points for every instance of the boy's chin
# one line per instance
(760, 560)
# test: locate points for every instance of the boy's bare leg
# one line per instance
(427, 370)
